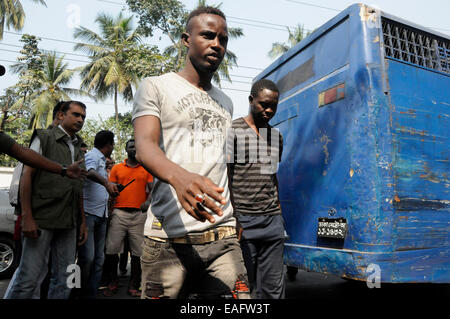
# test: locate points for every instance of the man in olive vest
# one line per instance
(51, 208)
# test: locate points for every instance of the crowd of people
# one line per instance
(193, 222)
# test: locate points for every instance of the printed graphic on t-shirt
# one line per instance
(204, 136)
(208, 128)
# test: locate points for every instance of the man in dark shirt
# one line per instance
(254, 150)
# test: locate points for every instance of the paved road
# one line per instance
(317, 287)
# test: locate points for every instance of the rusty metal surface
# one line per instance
(379, 157)
(421, 165)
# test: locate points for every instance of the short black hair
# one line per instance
(57, 108)
(130, 140)
(204, 10)
(66, 105)
(261, 85)
(103, 138)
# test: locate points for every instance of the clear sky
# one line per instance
(263, 22)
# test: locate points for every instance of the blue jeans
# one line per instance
(37, 291)
(61, 243)
(92, 255)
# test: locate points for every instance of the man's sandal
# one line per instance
(110, 290)
(134, 292)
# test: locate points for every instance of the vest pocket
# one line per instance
(53, 192)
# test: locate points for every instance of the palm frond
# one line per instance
(78, 92)
(105, 74)
(41, 2)
(235, 33)
(87, 35)
(295, 36)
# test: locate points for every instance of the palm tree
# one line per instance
(54, 76)
(13, 15)
(295, 36)
(106, 74)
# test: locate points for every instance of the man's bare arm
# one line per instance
(34, 159)
(97, 178)
(83, 230)
(29, 227)
(147, 132)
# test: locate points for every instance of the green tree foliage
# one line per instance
(13, 15)
(18, 129)
(52, 88)
(295, 36)
(13, 122)
(164, 15)
(125, 132)
(8, 113)
(56, 77)
(29, 68)
(6, 103)
(145, 60)
(106, 75)
(15, 103)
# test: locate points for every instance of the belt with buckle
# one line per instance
(201, 238)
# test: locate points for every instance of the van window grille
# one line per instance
(408, 44)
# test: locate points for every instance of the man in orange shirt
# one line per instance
(128, 217)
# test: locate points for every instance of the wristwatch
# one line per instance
(64, 170)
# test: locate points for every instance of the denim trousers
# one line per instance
(210, 270)
(61, 243)
(37, 290)
(91, 255)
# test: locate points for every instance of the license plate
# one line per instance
(332, 228)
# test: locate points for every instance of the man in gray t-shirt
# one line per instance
(180, 122)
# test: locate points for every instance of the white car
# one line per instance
(9, 252)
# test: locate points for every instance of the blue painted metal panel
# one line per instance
(371, 158)
(402, 266)
(421, 166)
(314, 62)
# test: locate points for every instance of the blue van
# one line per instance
(365, 175)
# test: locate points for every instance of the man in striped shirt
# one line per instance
(254, 150)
